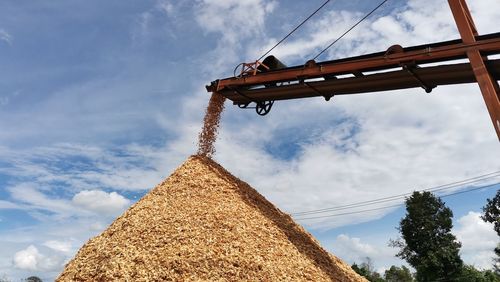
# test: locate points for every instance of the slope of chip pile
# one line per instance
(202, 223)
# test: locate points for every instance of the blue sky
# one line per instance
(100, 101)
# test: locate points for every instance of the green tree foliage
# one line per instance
(492, 214)
(366, 270)
(398, 274)
(471, 274)
(427, 243)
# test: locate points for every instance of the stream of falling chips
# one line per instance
(208, 134)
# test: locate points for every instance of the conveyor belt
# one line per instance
(400, 79)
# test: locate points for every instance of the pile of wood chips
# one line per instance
(202, 223)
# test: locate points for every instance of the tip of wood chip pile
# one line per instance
(202, 223)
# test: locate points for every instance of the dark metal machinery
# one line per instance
(264, 82)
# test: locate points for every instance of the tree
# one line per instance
(33, 279)
(471, 274)
(366, 270)
(360, 270)
(492, 215)
(427, 243)
(398, 274)
(492, 212)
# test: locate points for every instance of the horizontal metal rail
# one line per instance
(430, 53)
(400, 79)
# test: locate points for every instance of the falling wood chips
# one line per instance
(202, 223)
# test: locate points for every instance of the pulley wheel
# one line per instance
(263, 108)
(238, 70)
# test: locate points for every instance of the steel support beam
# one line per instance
(431, 76)
(489, 87)
(437, 52)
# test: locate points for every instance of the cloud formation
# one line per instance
(5, 36)
(101, 202)
(354, 250)
(478, 240)
(31, 259)
(60, 246)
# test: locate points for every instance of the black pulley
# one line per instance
(263, 108)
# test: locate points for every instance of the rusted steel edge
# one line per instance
(433, 76)
(377, 62)
(488, 84)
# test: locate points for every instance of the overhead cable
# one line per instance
(400, 196)
(397, 205)
(290, 33)
(351, 28)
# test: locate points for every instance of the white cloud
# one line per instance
(478, 240)
(8, 205)
(237, 22)
(33, 199)
(354, 250)
(133, 167)
(55, 241)
(355, 247)
(36, 201)
(5, 36)
(97, 226)
(166, 6)
(27, 259)
(234, 22)
(410, 25)
(60, 246)
(101, 202)
(31, 259)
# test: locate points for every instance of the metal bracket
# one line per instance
(326, 96)
(262, 108)
(248, 69)
(243, 95)
(411, 70)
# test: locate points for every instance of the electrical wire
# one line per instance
(399, 196)
(397, 205)
(373, 202)
(290, 33)
(351, 28)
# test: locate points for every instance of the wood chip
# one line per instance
(211, 121)
(202, 223)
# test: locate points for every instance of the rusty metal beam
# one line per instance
(437, 52)
(489, 86)
(400, 79)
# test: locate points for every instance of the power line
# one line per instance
(399, 196)
(397, 205)
(347, 213)
(290, 33)
(388, 199)
(351, 28)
